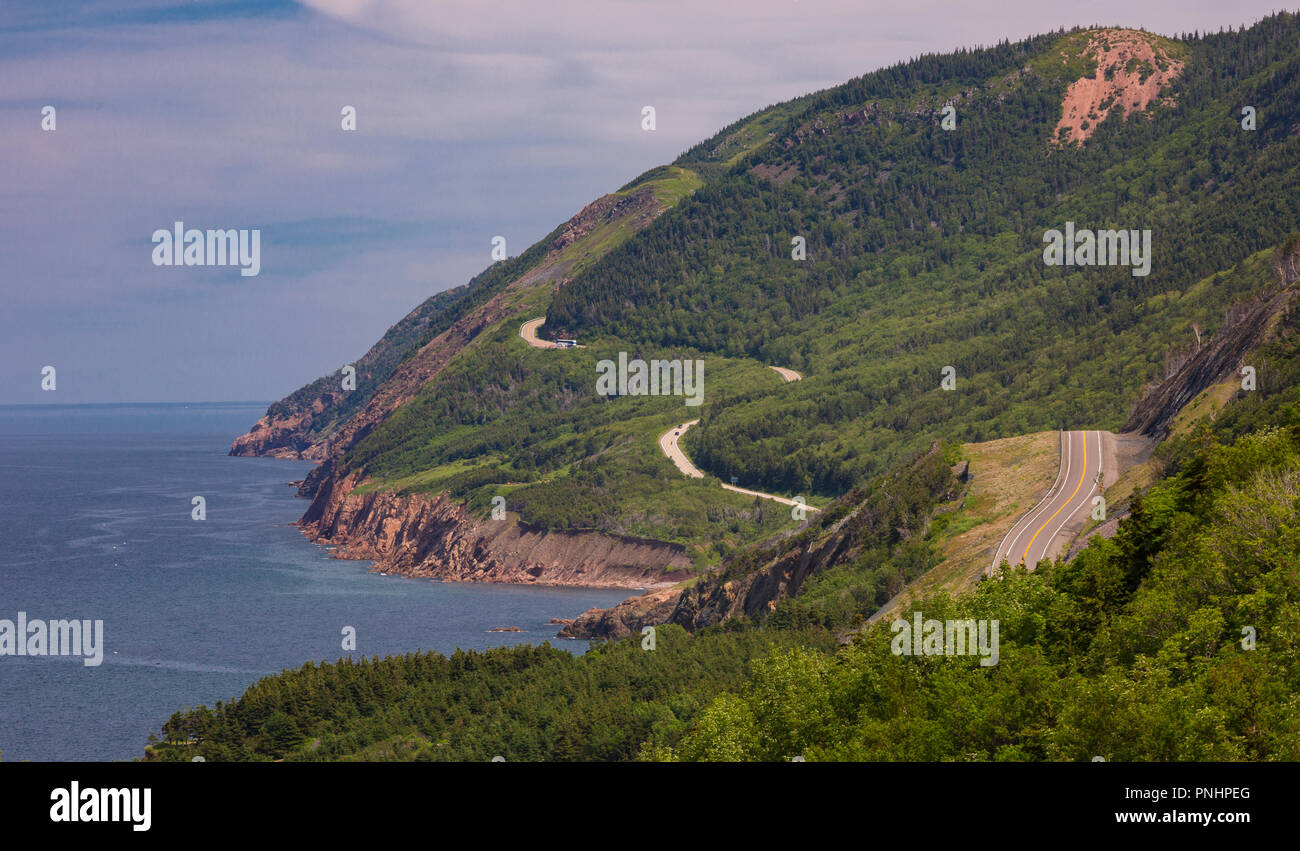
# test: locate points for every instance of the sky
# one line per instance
(474, 118)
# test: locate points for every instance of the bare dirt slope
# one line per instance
(1132, 70)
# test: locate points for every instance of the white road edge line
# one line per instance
(1028, 517)
(1065, 483)
(1087, 495)
(1070, 514)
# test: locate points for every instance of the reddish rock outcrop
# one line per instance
(627, 618)
(640, 204)
(1132, 69)
(284, 437)
(433, 536)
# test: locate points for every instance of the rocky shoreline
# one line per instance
(430, 535)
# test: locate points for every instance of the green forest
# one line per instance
(1175, 639)
(924, 250)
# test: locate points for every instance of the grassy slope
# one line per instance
(1007, 478)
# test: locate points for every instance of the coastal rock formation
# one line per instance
(433, 536)
(627, 618)
(640, 207)
(284, 437)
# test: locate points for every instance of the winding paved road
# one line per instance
(787, 374)
(529, 332)
(668, 441)
(1049, 526)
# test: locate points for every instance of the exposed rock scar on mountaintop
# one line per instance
(1132, 69)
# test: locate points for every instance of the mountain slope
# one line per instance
(1170, 636)
(891, 542)
(1173, 641)
(924, 250)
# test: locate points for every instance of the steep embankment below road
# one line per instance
(1222, 357)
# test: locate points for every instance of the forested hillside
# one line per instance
(319, 407)
(1135, 650)
(924, 250)
(925, 247)
(1175, 640)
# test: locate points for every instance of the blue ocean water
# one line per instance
(95, 523)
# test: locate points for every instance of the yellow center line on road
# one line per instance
(1082, 476)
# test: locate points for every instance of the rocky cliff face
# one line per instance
(1247, 327)
(284, 437)
(430, 535)
(627, 618)
(785, 566)
(640, 206)
(401, 386)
